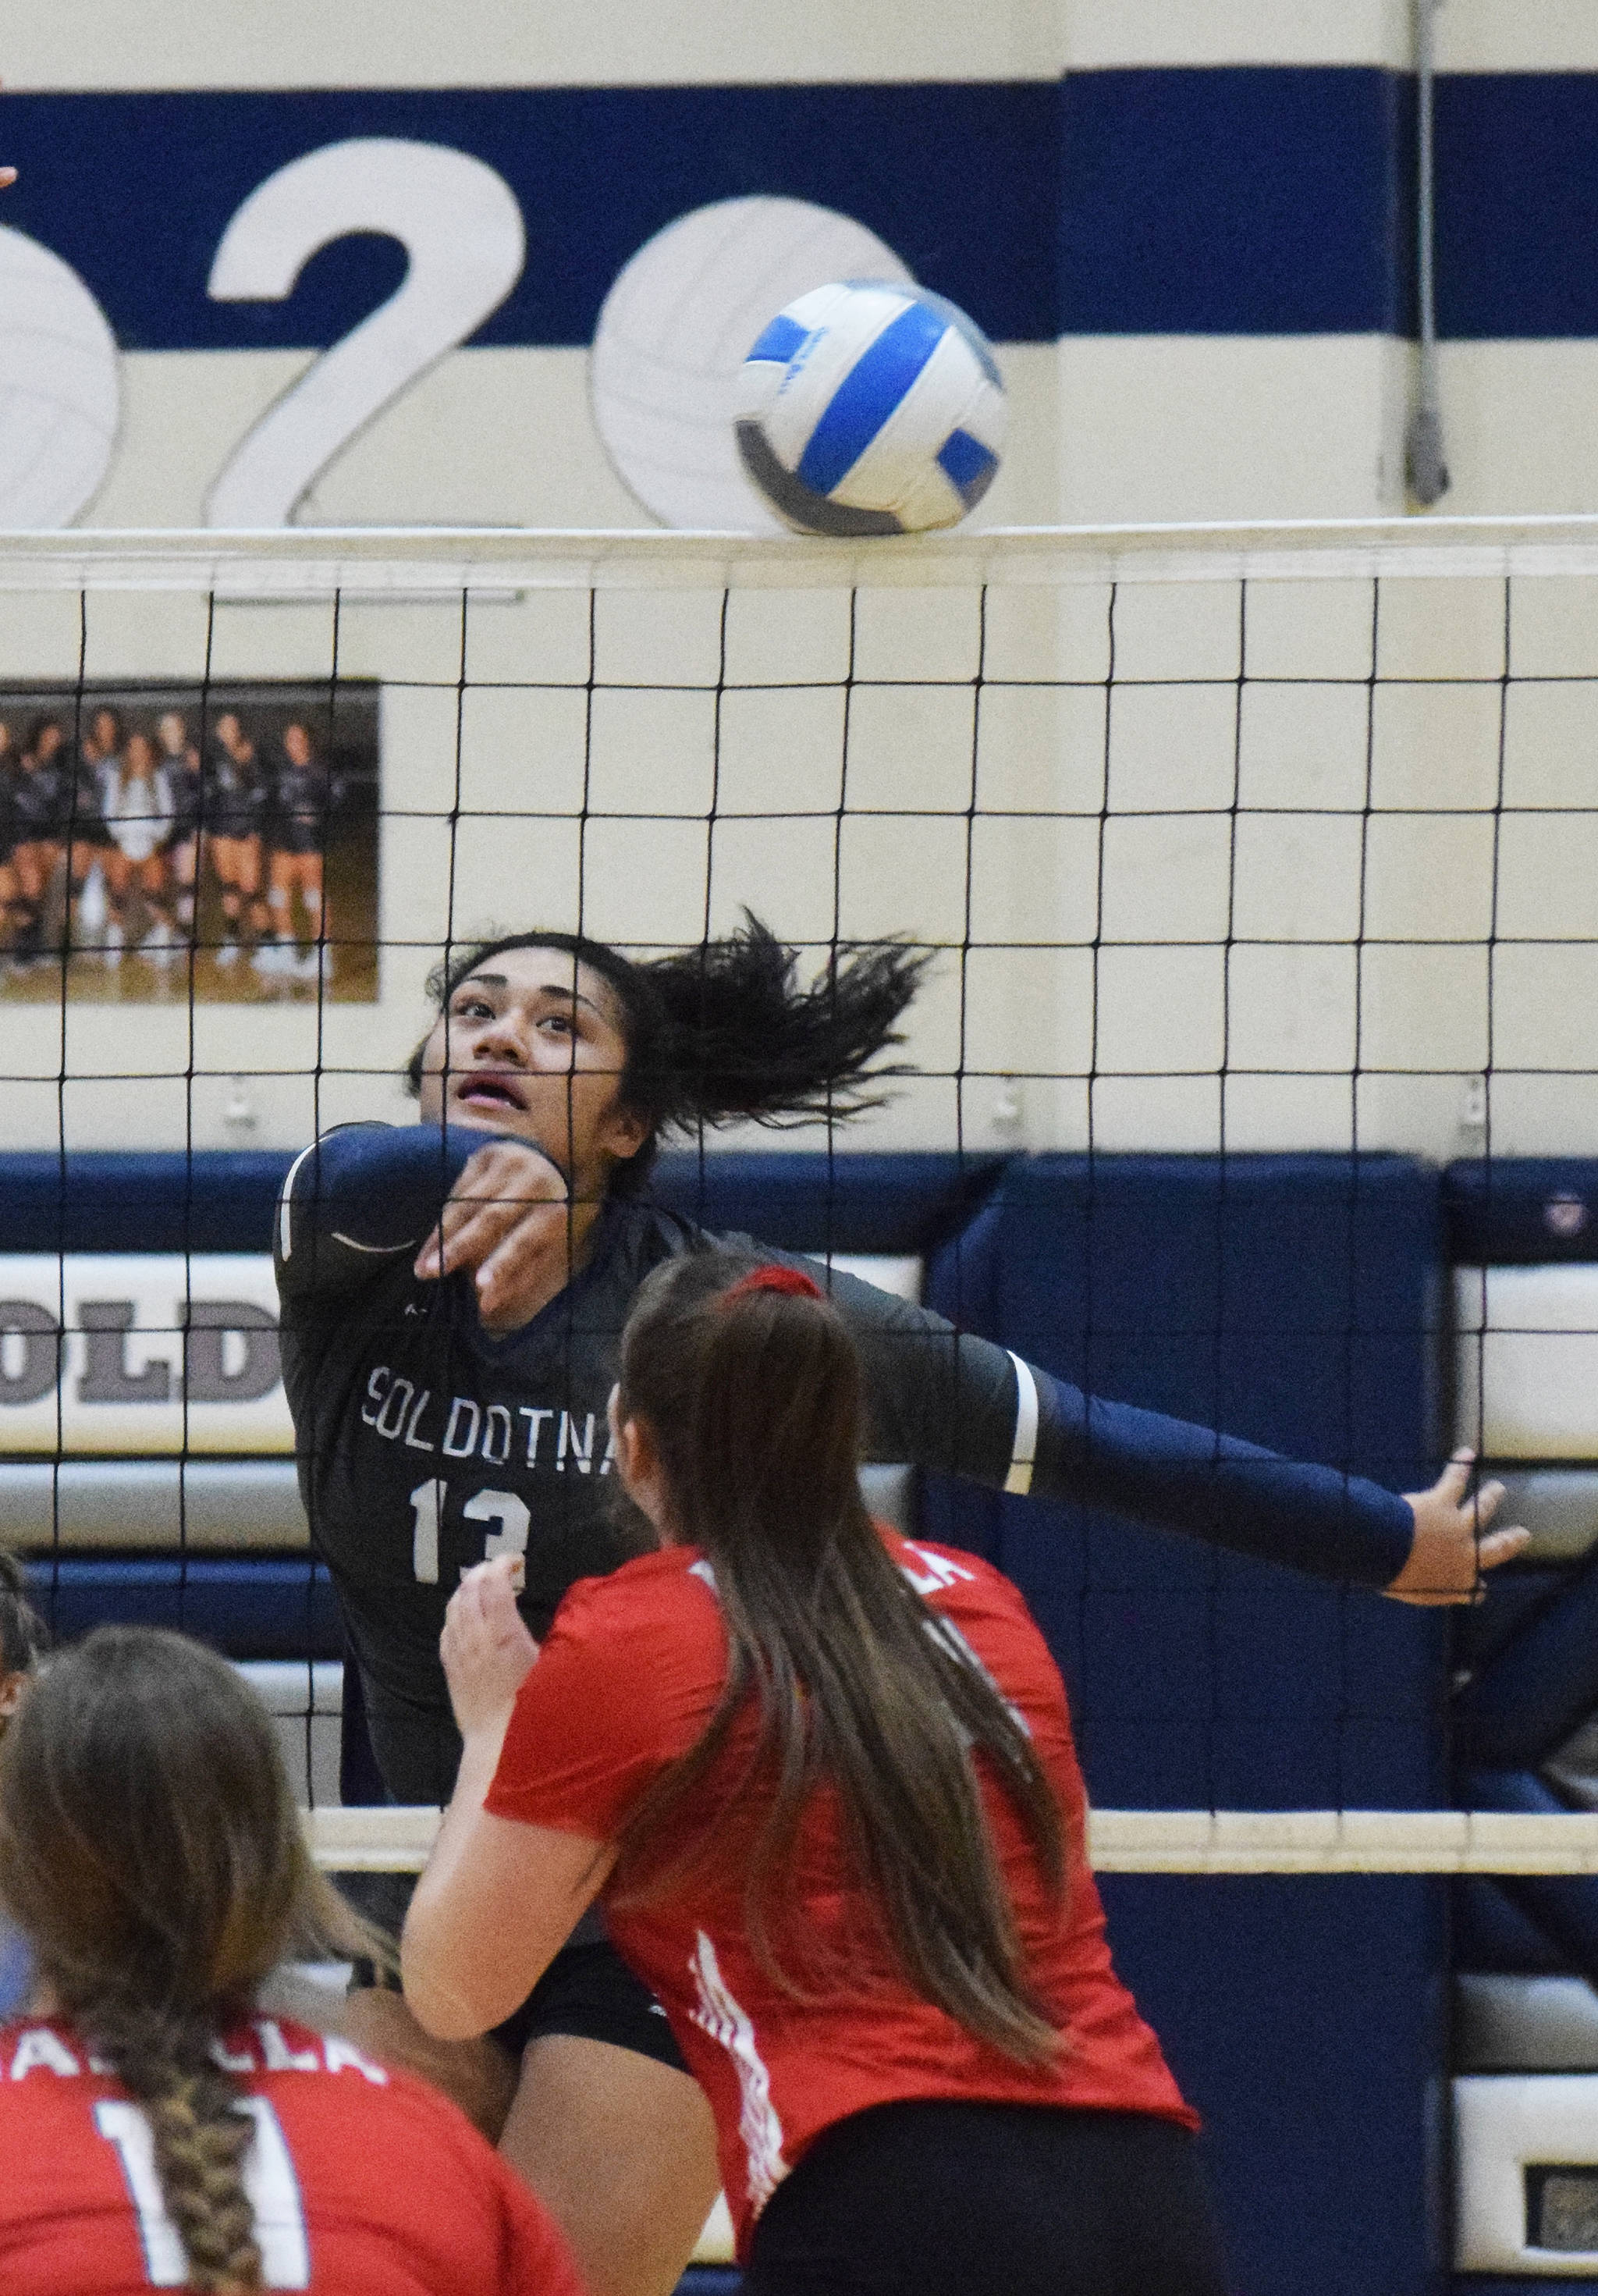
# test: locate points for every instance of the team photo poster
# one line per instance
(163, 842)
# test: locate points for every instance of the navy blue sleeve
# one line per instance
(941, 1397)
(361, 1195)
(1174, 1476)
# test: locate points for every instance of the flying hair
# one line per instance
(749, 1382)
(726, 1031)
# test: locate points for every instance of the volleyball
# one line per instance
(58, 396)
(870, 407)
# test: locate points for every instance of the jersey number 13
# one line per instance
(509, 1514)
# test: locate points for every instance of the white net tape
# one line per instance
(1152, 1842)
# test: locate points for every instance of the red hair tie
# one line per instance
(773, 1278)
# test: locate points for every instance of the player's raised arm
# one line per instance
(943, 1399)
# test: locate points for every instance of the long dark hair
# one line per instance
(151, 1852)
(725, 1031)
(754, 1399)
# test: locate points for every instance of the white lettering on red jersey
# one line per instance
(727, 2023)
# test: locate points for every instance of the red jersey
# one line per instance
(632, 1669)
(365, 2182)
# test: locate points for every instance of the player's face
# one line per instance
(532, 1044)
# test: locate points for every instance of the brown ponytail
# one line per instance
(753, 1398)
(151, 1852)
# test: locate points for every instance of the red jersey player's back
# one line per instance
(156, 2130)
(627, 1681)
(364, 2182)
(825, 1778)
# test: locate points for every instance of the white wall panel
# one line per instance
(1517, 420)
(489, 437)
(1527, 1361)
(1165, 426)
(1118, 33)
(525, 43)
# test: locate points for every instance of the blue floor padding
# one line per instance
(222, 1200)
(254, 1609)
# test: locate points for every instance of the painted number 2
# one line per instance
(510, 1514)
(269, 2180)
(461, 225)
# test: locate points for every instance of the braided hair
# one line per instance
(150, 1850)
(726, 1030)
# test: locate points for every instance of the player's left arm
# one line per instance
(941, 1397)
(499, 1898)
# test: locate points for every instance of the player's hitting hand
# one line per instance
(8, 175)
(486, 1647)
(1453, 1545)
(508, 1221)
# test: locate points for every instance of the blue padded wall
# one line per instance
(1290, 1299)
(221, 1200)
(253, 1607)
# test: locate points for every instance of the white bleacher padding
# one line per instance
(1527, 1361)
(289, 1687)
(207, 1506)
(1559, 1506)
(1525, 2025)
(1503, 2126)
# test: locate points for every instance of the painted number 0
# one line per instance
(461, 225)
(269, 2180)
(512, 1514)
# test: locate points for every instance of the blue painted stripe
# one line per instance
(1517, 194)
(1259, 200)
(867, 395)
(135, 190)
(968, 466)
(1236, 202)
(779, 341)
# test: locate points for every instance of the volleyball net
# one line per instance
(1251, 1080)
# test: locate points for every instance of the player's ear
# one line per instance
(623, 1131)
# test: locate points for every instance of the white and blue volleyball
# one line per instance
(872, 407)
